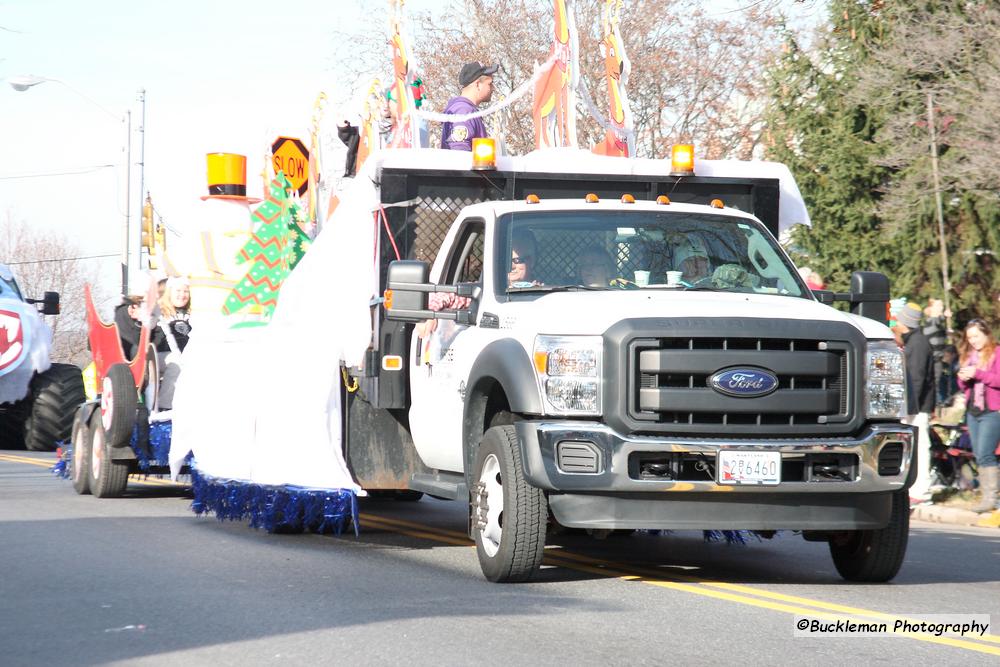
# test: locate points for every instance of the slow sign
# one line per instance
(291, 156)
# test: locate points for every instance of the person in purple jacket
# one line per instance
(476, 81)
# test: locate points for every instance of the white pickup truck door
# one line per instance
(440, 364)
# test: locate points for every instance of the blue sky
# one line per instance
(219, 75)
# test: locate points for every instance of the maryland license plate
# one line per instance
(742, 467)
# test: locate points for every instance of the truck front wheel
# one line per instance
(874, 555)
(508, 515)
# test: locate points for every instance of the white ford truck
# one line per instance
(609, 350)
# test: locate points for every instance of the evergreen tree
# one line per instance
(850, 120)
(939, 52)
(826, 139)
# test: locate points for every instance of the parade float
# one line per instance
(401, 354)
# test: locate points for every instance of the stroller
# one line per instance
(953, 465)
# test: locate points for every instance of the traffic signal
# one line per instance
(148, 242)
(161, 237)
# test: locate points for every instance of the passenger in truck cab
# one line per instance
(523, 255)
(594, 267)
(691, 259)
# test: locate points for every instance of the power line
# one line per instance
(82, 170)
(62, 259)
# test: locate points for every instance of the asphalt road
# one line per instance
(141, 580)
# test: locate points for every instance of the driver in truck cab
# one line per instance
(524, 254)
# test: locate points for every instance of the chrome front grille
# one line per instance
(671, 382)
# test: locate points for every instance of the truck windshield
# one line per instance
(565, 250)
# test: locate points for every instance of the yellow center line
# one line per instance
(14, 458)
(137, 478)
(737, 593)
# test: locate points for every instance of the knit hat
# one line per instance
(909, 315)
(178, 281)
(689, 247)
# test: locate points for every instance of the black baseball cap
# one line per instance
(472, 71)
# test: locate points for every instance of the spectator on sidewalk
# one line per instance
(979, 378)
(935, 329)
(920, 392)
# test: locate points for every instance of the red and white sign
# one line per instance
(12, 345)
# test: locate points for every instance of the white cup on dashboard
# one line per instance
(642, 278)
(674, 278)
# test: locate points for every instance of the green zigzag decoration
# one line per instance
(275, 247)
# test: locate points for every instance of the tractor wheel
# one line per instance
(55, 396)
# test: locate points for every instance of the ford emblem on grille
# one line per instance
(743, 382)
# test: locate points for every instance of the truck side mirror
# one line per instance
(870, 295)
(402, 302)
(405, 298)
(50, 303)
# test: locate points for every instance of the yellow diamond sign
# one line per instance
(291, 156)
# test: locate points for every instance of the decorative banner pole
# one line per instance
(371, 109)
(554, 106)
(315, 168)
(401, 100)
(619, 135)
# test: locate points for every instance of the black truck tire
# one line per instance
(509, 515)
(55, 396)
(12, 418)
(119, 399)
(79, 465)
(108, 478)
(874, 555)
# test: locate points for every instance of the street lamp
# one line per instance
(23, 82)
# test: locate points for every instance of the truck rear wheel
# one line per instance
(509, 515)
(119, 399)
(55, 395)
(874, 555)
(108, 478)
(80, 462)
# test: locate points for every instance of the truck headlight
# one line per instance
(568, 369)
(885, 381)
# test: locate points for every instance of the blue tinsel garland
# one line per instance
(275, 508)
(159, 445)
(61, 468)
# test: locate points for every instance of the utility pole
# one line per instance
(128, 200)
(940, 208)
(142, 163)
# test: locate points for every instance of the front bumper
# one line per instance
(613, 497)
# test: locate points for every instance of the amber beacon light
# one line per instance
(682, 160)
(484, 153)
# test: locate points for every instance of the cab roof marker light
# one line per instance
(663, 200)
(484, 154)
(592, 198)
(628, 199)
(531, 199)
(717, 203)
(682, 160)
